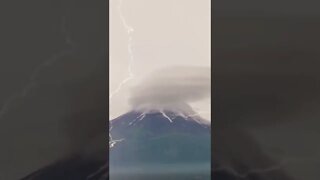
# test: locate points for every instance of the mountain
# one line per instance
(76, 168)
(154, 145)
(159, 145)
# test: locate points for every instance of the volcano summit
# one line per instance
(159, 145)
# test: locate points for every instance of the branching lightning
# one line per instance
(129, 30)
(113, 142)
(166, 116)
(198, 113)
(252, 171)
(139, 118)
(32, 79)
(102, 169)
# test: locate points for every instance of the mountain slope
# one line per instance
(159, 145)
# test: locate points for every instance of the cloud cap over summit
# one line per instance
(169, 88)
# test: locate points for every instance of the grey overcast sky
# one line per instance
(166, 33)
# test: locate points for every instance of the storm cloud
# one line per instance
(170, 87)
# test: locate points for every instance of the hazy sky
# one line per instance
(165, 33)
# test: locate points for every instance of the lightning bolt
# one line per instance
(279, 166)
(130, 31)
(166, 116)
(197, 114)
(102, 169)
(113, 142)
(32, 79)
(252, 171)
(139, 118)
